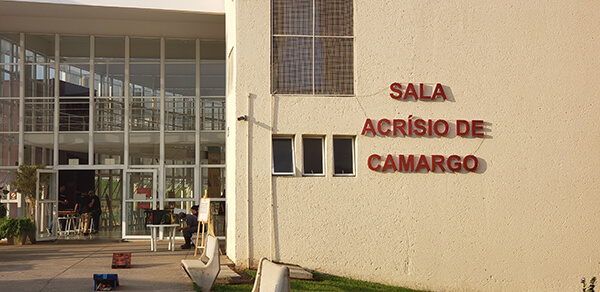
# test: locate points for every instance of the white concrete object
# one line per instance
(205, 273)
(170, 231)
(271, 277)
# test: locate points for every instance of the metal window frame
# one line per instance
(283, 137)
(353, 156)
(323, 156)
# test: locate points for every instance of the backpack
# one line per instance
(161, 217)
(167, 218)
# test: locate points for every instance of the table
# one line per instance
(71, 222)
(171, 228)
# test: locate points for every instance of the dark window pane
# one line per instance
(292, 17)
(212, 50)
(39, 80)
(334, 17)
(145, 50)
(74, 80)
(342, 156)
(10, 149)
(9, 80)
(110, 80)
(74, 49)
(74, 114)
(180, 50)
(334, 67)
(109, 49)
(144, 80)
(39, 48)
(9, 114)
(180, 79)
(292, 65)
(282, 156)
(10, 48)
(313, 155)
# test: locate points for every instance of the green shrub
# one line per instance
(15, 227)
(2, 206)
(2, 211)
(2, 215)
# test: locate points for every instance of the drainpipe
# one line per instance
(272, 241)
(249, 177)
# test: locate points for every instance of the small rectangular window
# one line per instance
(343, 155)
(313, 156)
(283, 156)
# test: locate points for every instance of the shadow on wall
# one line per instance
(252, 122)
(276, 251)
(250, 117)
(273, 230)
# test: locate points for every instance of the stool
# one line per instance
(64, 218)
(92, 229)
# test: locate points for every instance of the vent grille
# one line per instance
(313, 47)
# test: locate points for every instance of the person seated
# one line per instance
(191, 222)
(84, 208)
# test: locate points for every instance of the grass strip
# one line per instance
(322, 282)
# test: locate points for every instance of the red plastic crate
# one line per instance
(121, 260)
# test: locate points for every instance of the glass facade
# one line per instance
(145, 115)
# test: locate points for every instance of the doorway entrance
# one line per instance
(75, 183)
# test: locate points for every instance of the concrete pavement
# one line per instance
(69, 265)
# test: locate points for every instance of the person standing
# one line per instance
(84, 208)
(96, 211)
(62, 206)
(191, 222)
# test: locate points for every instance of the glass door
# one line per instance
(139, 197)
(46, 207)
(110, 190)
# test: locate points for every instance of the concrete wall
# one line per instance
(86, 19)
(525, 221)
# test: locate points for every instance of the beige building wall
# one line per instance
(525, 221)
